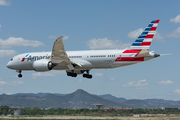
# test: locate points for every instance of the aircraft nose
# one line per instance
(9, 65)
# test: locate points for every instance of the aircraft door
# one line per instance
(109, 61)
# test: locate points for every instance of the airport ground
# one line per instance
(57, 117)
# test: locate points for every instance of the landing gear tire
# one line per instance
(74, 75)
(87, 76)
(20, 75)
(71, 74)
(68, 74)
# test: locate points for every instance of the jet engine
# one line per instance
(42, 65)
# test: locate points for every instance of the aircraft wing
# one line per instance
(59, 55)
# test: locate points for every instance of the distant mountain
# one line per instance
(112, 98)
(128, 103)
(38, 94)
(163, 103)
(80, 99)
(57, 94)
(19, 94)
(21, 100)
(137, 103)
(147, 103)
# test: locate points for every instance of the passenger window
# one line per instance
(11, 59)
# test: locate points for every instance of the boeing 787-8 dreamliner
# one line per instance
(81, 62)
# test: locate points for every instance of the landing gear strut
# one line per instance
(87, 75)
(19, 75)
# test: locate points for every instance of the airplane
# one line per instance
(81, 62)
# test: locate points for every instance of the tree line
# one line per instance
(84, 111)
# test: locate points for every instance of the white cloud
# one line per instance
(47, 74)
(16, 42)
(141, 84)
(99, 74)
(65, 37)
(0, 26)
(58, 72)
(44, 74)
(104, 43)
(2, 83)
(80, 80)
(4, 2)
(112, 79)
(134, 34)
(55, 37)
(176, 19)
(52, 37)
(168, 82)
(7, 53)
(177, 91)
(158, 37)
(14, 83)
(175, 33)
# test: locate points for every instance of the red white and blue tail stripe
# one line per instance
(144, 40)
(140, 48)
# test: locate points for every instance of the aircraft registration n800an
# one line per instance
(81, 62)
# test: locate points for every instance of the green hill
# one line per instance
(79, 99)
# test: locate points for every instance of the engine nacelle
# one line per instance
(42, 65)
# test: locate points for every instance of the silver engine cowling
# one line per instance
(42, 65)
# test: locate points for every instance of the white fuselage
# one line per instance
(92, 59)
(78, 62)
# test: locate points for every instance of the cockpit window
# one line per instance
(11, 59)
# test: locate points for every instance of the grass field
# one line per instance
(54, 117)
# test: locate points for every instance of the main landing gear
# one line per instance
(87, 75)
(19, 75)
(72, 74)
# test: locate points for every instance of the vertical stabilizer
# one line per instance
(144, 40)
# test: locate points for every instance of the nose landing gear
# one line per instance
(19, 75)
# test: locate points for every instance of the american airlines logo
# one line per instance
(34, 58)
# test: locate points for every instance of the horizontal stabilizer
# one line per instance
(142, 53)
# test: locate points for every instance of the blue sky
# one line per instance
(33, 26)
